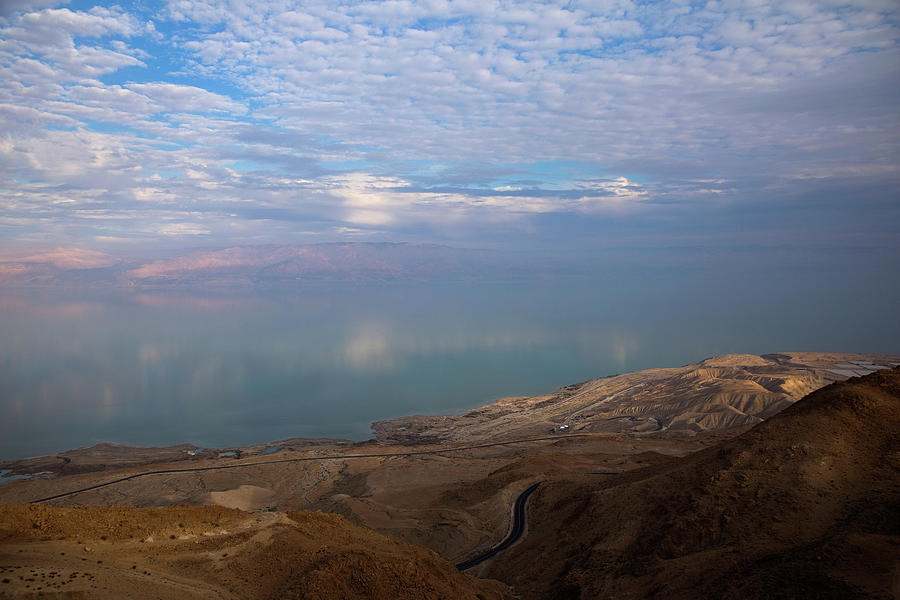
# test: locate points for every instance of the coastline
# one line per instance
(569, 409)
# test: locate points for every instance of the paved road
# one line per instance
(514, 534)
(301, 459)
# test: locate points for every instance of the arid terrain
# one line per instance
(659, 483)
(717, 394)
(215, 552)
(805, 505)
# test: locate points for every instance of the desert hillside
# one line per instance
(805, 505)
(214, 552)
(734, 390)
(450, 484)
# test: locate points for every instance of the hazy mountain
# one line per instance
(251, 265)
(59, 265)
(352, 261)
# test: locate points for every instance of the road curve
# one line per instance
(518, 527)
(300, 459)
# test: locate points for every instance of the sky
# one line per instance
(478, 123)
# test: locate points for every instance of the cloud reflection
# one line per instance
(389, 345)
(369, 347)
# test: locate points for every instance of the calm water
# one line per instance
(220, 369)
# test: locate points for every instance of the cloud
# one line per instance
(57, 27)
(170, 97)
(618, 190)
(266, 120)
(374, 201)
(22, 119)
(11, 7)
(49, 35)
(181, 229)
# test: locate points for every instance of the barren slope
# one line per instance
(735, 390)
(805, 505)
(214, 552)
(592, 531)
(455, 502)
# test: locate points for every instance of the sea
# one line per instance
(221, 368)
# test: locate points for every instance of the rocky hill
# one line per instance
(735, 390)
(214, 552)
(804, 505)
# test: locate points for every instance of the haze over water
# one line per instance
(221, 368)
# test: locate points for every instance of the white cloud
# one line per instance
(10, 7)
(49, 35)
(374, 201)
(170, 97)
(618, 189)
(153, 195)
(182, 229)
(114, 98)
(58, 26)
(22, 119)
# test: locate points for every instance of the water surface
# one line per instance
(224, 368)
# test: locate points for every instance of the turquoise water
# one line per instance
(226, 368)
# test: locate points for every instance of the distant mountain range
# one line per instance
(251, 265)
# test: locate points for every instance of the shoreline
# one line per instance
(523, 416)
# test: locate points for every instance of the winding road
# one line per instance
(518, 527)
(307, 459)
(518, 511)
